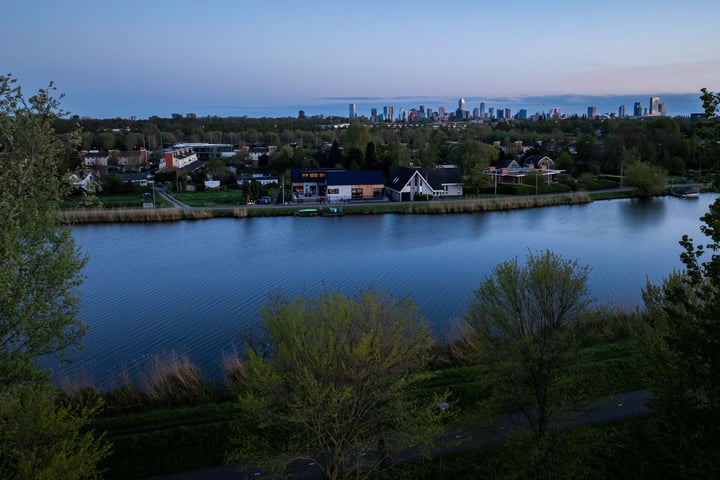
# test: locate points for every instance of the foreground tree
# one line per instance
(523, 317)
(40, 268)
(682, 337)
(329, 384)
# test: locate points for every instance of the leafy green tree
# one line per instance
(357, 136)
(219, 171)
(330, 379)
(105, 140)
(371, 161)
(40, 268)
(682, 336)
(43, 439)
(649, 179)
(523, 317)
(565, 161)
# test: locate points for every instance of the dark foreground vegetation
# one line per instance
(356, 384)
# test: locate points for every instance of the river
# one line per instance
(190, 287)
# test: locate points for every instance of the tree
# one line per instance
(331, 377)
(523, 317)
(649, 179)
(565, 161)
(40, 438)
(40, 268)
(681, 339)
(357, 136)
(370, 156)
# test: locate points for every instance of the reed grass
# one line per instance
(432, 207)
(173, 380)
(235, 374)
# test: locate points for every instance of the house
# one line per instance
(86, 182)
(333, 185)
(510, 171)
(177, 158)
(260, 178)
(95, 158)
(136, 178)
(406, 182)
(538, 161)
(355, 185)
(206, 151)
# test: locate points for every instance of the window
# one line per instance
(357, 193)
(333, 191)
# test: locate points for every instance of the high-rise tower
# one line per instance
(353, 111)
(654, 105)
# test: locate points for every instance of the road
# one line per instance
(458, 438)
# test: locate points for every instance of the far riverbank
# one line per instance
(433, 207)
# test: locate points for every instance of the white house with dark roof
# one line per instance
(336, 185)
(95, 158)
(510, 171)
(177, 158)
(407, 182)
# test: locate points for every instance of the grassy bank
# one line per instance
(434, 207)
(164, 440)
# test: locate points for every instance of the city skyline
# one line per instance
(225, 57)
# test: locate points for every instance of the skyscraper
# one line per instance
(482, 109)
(592, 112)
(389, 113)
(654, 106)
(460, 112)
(621, 111)
(637, 109)
(353, 111)
(508, 113)
(373, 115)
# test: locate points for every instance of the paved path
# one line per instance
(458, 438)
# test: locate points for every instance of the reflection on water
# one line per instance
(643, 212)
(189, 287)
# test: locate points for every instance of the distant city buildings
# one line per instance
(637, 109)
(482, 113)
(389, 113)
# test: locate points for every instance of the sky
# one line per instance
(245, 57)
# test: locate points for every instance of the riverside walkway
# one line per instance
(457, 438)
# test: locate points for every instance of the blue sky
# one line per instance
(158, 57)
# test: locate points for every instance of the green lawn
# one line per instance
(209, 199)
(130, 200)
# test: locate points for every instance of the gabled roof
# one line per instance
(400, 178)
(437, 177)
(537, 160)
(508, 163)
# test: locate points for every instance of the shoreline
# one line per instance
(432, 207)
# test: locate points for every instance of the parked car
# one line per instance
(264, 200)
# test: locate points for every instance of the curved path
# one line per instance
(457, 438)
